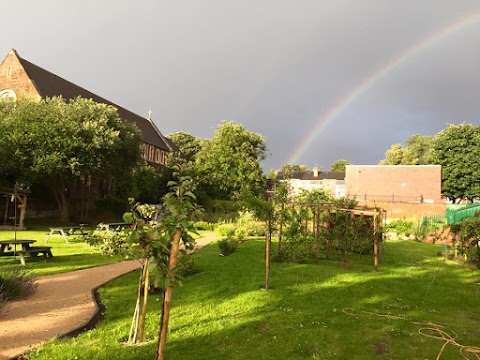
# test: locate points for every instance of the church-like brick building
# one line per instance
(20, 78)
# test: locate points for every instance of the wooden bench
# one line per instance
(35, 251)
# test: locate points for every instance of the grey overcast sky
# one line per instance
(321, 80)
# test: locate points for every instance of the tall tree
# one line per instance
(457, 149)
(394, 155)
(230, 160)
(339, 165)
(418, 150)
(58, 143)
(293, 168)
(188, 145)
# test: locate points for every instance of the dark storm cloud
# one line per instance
(275, 66)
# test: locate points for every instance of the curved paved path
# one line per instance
(62, 303)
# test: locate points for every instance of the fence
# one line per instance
(390, 198)
(457, 214)
(431, 221)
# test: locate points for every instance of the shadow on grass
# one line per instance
(222, 313)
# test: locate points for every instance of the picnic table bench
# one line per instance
(9, 248)
(113, 227)
(34, 251)
(66, 231)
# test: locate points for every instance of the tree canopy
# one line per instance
(394, 155)
(457, 149)
(57, 143)
(418, 150)
(188, 145)
(230, 161)
(289, 169)
(339, 166)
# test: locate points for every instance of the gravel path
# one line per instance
(61, 304)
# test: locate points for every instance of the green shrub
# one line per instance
(225, 229)
(186, 265)
(227, 246)
(15, 283)
(203, 225)
(109, 243)
(401, 226)
(247, 225)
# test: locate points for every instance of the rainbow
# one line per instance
(367, 83)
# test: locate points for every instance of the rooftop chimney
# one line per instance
(315, 171)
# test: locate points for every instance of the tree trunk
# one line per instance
(268, 245)
(58, 191)
(167, 300)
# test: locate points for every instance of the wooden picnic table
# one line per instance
(114, 227)
(10, 248)
(66, 231)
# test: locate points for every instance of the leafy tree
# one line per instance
(188, 145)
(230, 161)
(394, 155)
(149, 185)
(418, 150)
(339, 166)
(289, 169)
(57, 143)
(457, 149)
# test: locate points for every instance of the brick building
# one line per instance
(394, 183)
(20, 78)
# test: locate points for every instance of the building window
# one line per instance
(144, 151)
(8, 95)
(151, 153)
(157, 156)
(162, 158)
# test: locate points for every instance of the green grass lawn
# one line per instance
(323, 311)
(66, 257)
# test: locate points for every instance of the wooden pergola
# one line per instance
(19, 199)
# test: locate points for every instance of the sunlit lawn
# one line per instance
(66, 257)
(323, 311)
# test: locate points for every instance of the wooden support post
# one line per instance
(375, 242)
(268, 245)
(143, 312)
(327, 235)
(23, 209)
(280, 228)
(317, 234)
(5, 220)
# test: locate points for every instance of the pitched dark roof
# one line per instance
(308, 175)
(50, 85)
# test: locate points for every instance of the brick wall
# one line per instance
(14, 77)
(406, 183)
(398, 210)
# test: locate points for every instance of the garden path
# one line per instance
(61, 304)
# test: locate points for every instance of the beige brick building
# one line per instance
(394, 183)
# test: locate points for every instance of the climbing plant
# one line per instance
(339, 227)
(467, 237)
